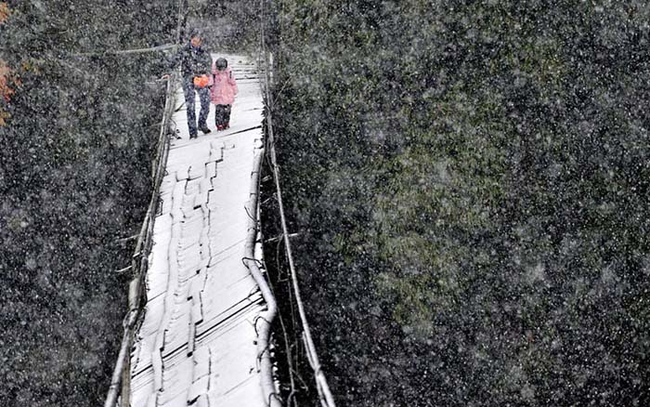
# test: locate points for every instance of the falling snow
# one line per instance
(466, 186)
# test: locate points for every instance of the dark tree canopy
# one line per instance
(74, 178)
(469, 181)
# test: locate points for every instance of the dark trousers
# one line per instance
(222, 115)
(204, 97)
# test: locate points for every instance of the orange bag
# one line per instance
(201, 81)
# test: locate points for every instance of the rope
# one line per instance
(249, 260)
(126, 51)
(326, 398)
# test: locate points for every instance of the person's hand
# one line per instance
(165, 77)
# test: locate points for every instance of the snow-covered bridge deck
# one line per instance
(197, 342)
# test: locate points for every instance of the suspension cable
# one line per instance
(325, 395)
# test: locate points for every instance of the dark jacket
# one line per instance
(194, 61)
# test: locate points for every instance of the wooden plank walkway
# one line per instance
(197, 343)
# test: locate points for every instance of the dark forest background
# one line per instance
(469, 185)
(75, 162)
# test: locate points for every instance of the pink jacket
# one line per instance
(224, 87)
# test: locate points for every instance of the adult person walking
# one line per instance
(196, 64)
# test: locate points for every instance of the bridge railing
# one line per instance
(139, 263)
(265, 62)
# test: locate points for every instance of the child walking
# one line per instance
(222, 93)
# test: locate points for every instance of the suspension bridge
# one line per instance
(200, 309)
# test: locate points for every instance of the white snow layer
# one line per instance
(197, 342)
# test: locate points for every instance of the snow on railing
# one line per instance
(263, 321)
(122, 371)
(324, 392)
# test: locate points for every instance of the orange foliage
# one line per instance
(5, 72)
(3, 118)
(4, 12)
(5, 91)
